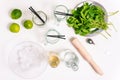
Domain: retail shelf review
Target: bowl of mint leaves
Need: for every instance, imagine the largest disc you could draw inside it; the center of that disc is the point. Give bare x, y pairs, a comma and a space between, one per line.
88, 18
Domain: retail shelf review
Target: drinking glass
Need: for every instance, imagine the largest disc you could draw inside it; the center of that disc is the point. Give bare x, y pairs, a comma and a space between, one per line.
60, 8
53, 59
70, 59
37, 21
52, 40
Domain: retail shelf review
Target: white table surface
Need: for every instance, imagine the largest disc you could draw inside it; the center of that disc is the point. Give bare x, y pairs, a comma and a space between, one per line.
105, 52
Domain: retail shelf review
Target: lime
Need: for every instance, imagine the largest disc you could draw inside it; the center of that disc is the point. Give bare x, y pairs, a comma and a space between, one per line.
28, 24
14, 27
16, 13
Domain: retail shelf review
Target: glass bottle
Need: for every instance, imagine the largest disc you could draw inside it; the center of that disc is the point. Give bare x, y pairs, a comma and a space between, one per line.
70, 59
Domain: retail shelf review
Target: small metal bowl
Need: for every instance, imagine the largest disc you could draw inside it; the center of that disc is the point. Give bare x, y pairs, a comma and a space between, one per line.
96, 30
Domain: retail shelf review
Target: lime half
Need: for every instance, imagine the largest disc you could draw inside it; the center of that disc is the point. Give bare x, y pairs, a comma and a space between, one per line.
16, 13
14, 27
28, 24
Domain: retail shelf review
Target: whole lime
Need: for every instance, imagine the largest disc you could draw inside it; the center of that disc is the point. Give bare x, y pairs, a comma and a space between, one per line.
14, 27
16, 13
28, 24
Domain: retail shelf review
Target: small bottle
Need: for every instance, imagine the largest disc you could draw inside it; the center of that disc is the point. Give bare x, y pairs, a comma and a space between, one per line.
70, 59
90, 41
53, 59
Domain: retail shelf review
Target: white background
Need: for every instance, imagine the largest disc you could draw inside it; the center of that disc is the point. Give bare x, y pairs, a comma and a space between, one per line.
105, 52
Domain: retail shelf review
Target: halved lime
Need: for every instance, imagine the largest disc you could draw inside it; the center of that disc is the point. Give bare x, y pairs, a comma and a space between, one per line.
28, 24
14, 27
16, 13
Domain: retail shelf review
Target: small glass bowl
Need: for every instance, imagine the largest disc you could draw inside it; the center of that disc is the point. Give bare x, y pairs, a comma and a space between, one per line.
60, 8
28, 59
52, 40
37, 21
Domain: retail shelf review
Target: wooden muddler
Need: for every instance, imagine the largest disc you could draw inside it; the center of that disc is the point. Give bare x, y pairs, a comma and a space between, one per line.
85, 55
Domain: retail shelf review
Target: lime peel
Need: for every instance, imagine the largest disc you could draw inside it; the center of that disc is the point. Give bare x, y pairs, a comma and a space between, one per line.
14, 27
16, 13
28, 24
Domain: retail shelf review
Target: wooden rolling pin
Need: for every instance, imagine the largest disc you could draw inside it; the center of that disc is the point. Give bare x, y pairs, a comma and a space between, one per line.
85, 55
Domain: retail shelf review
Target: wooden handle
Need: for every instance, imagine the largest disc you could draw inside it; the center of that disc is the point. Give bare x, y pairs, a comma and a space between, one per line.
85, 55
